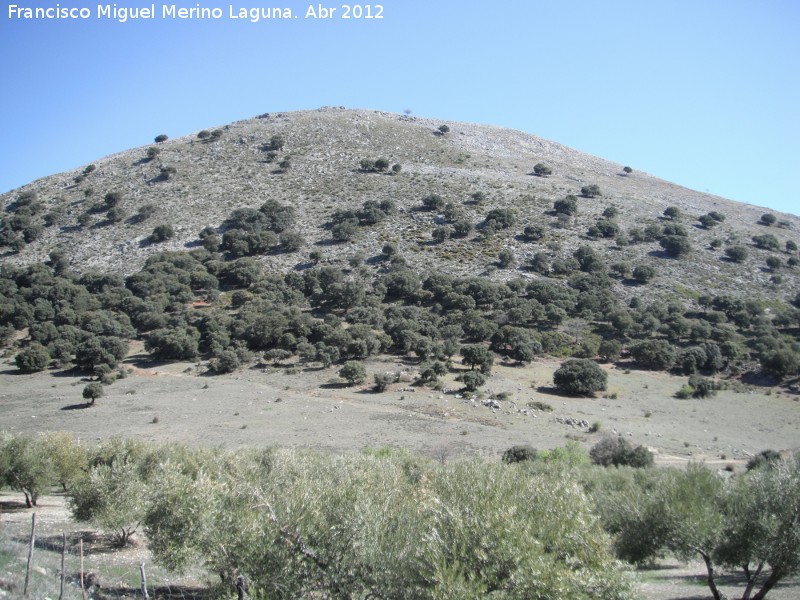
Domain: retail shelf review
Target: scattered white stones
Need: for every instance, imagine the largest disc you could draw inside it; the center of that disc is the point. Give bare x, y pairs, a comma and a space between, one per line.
572, 421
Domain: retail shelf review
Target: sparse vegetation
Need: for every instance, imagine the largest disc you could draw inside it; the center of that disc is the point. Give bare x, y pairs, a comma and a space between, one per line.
161, 233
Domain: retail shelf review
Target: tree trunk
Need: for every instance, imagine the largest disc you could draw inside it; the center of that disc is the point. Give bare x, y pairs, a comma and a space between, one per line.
769, 584
751, 579
28, 500
712, 585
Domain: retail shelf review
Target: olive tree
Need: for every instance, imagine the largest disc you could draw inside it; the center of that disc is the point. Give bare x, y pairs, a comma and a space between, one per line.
26, 465
748, 522
457, 530
111, 496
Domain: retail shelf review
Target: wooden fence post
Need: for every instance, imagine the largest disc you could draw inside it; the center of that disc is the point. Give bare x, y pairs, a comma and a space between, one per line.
63, 556
144, 581
83, 586
30, 555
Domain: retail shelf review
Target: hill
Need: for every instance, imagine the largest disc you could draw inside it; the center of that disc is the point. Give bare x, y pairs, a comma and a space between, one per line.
193, 183
307, 258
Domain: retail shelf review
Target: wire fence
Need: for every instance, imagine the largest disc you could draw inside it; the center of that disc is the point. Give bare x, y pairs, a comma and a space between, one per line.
78, 565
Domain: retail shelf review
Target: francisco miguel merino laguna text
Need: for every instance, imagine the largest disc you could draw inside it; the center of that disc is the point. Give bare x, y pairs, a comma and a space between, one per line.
172, 11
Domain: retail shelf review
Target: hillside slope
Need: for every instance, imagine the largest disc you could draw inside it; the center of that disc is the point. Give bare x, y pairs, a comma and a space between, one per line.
208, 178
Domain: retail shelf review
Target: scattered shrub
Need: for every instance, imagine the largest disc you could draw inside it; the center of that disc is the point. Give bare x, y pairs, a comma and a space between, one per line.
737, 254
353, 372
580, 376
520, 453
590, 191
93, 391
768, 219
161, 233
617, 451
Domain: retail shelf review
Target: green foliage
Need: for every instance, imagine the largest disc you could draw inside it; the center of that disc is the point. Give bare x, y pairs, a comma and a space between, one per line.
590, 191
672, 212
737, 254
93, 391
517, 454
764, 459
384, 380
566, 206
658, 355
676, 246
69, 457
342, 232
433, 202
441, 234
605, 228
610, 350
113, 494
768, 219
27, 465
116, 214
161, 233
472, 380
226, 361
707, 221
747, 522
478, 355
702, 387
542, 170
774, 263
644, 273
611, 212
505, 258
277, 142
617, 451
166, 172
462, 228
161, 138
766, 241
580, 376
461, 528
443, 129
32, 359
180, 343
533, 233
780, 363
353, 372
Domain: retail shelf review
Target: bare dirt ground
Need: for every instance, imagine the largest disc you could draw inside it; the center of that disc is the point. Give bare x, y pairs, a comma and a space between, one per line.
265, 406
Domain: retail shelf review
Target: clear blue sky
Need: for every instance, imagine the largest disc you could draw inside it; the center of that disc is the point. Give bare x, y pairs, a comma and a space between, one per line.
703, 93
